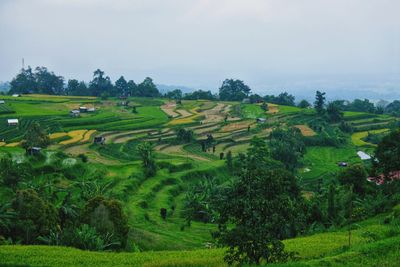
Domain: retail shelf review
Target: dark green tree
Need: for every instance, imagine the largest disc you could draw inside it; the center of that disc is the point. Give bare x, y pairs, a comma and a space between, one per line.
24, 82
261, 208
48, 83
146, 153
334, 113
175, 94
107, 217
132, 88
355, 176
332, 210
387, 154
184, 136
233, 90
12, 173
287, 146
147, 89
304, 104
101, 84
34, 216
35, 136
121, 87
319, 102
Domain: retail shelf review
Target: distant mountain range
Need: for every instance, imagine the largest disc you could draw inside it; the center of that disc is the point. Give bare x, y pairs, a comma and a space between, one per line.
166, 88
4, 86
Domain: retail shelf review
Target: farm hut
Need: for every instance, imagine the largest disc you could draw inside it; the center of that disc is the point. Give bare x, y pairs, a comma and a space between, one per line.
246, 101
33, 151
342, 164
83, 109
12, 122
363, 155
16, 95
99, 140
123, 97
91, 110
261, 120
2, 102
74, 113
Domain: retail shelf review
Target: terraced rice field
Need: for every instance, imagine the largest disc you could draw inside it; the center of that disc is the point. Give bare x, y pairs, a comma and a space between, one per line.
356, 138
305, 130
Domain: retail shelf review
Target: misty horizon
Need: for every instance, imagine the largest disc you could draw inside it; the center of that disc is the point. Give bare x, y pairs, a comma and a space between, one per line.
273, 46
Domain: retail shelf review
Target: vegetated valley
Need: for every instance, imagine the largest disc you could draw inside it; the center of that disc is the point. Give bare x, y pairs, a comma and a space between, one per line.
122, 175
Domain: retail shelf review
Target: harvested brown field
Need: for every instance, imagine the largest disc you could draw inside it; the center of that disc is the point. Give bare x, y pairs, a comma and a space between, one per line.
169, 109
272, 108
305, 130
237, 126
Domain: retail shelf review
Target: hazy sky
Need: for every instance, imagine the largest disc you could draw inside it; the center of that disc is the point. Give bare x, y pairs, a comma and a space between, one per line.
198, 43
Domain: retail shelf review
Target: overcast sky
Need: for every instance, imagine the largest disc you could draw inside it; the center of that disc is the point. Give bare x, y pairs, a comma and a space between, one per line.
198, 43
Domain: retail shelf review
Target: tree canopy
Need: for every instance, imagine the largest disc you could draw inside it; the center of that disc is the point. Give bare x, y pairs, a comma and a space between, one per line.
233, 90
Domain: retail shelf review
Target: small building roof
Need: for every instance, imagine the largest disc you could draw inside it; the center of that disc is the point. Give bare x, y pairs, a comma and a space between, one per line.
363, 155
82, 107
12, 121
75, 111
16, 95
2, 101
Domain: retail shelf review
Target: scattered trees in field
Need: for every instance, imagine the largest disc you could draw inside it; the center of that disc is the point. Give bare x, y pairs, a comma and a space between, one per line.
184, 136
35, 136
287, 146
146, 153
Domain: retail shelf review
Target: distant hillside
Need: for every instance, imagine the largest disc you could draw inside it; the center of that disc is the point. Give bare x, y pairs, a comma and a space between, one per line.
166, 88
4, 86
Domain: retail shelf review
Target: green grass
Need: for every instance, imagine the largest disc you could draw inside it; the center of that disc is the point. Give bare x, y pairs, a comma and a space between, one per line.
325, 249
323, 161
356, 138
252, 111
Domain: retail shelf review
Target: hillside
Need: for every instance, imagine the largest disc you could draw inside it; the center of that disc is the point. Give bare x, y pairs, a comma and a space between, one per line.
373, 243
74, 165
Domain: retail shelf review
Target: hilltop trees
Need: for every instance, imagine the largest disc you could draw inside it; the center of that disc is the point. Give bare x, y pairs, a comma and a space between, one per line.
121, 87
233, 90
199, 94
282, 99
74, 87
41, 81
101, 84
304, 104
147, 89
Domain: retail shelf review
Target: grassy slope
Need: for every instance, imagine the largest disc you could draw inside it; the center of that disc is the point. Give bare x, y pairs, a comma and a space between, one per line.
326, 249
323, 161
